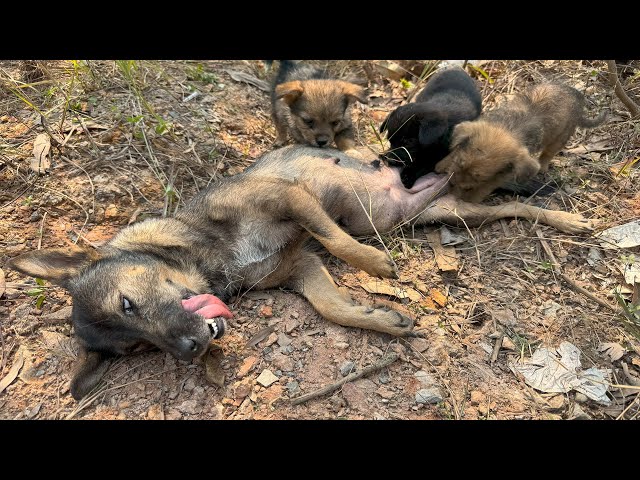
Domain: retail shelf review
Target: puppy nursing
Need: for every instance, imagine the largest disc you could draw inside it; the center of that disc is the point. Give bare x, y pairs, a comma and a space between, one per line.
312, 107
515, 141
419, 132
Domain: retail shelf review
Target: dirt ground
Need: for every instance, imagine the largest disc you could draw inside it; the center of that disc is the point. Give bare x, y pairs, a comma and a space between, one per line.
138, 139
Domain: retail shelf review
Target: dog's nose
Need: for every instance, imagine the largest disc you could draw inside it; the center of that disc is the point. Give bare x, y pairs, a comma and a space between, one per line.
188, 346
322, 141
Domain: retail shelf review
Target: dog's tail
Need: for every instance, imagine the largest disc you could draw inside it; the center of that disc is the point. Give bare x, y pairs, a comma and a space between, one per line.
592, 122
531, 187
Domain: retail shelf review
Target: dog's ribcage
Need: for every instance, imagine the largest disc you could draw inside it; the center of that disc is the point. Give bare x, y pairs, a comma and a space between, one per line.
259, 240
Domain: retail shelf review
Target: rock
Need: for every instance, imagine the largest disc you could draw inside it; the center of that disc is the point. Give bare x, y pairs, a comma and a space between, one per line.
290, 325
21, 312
247, 364
366, 385
61, 315
282, 362
35, 216
477, 398
188, 407
419, 344
293, 387
294, 314
426, 379
508, 344
111, 211
270, 340
386, 393
384, 377
581, 398
283, 340
241, 390
347, 367
504, 317
355, 397
266, 378
341, 345
124, 404
579, 414
155, 412
428, 396
287, 350
266, 311
377, 416
173, 414
190, 384
272, 394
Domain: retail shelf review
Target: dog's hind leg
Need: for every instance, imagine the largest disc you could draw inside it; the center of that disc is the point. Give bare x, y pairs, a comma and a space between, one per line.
303, 208
313, 281
451, 210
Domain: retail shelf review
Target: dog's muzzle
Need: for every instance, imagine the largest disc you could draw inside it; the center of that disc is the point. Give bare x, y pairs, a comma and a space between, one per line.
217, 326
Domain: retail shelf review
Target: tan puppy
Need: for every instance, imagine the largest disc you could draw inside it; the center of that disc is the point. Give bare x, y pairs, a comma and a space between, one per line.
313, 108
515, 141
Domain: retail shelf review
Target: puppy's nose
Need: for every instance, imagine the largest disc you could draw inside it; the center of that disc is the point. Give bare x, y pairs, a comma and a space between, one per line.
322, 141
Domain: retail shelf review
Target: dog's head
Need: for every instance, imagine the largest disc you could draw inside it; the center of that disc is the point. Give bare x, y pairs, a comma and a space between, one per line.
319, 108
483, 157
126, 300
413, 127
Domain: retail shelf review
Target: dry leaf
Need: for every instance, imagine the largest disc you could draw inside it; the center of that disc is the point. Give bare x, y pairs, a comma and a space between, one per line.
386, 289
438, 297
41, 146
250, 79
213, 372
599, 146
3, 284
622, 236
446, 257
261, 335
59, 344
18, 362
614, 350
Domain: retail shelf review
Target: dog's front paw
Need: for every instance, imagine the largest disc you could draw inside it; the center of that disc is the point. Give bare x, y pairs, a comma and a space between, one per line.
379, 264
400, 325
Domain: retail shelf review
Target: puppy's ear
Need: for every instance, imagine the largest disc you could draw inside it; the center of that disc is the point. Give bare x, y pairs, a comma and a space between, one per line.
289, 91
525, 167
354, 92
432, 129
460, 136
88, 372
58, 265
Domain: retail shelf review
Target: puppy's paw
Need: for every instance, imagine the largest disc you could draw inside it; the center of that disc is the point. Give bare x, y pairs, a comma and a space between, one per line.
400, 325
379, 264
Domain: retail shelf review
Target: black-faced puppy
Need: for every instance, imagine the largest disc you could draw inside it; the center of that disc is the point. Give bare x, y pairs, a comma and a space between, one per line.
420, 132
313, 107
514, 141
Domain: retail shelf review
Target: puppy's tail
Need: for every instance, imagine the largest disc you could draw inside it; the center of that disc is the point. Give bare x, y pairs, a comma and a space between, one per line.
592, 122
531, 187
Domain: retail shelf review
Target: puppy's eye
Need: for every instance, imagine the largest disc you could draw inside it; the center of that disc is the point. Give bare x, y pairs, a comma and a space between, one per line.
308, 121
127, 306
335, 123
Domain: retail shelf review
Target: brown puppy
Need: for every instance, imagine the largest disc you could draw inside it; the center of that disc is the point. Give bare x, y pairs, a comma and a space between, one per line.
312, 107
515, 141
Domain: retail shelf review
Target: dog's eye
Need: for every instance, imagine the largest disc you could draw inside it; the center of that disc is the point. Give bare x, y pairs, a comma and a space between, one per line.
308, 121
335, 123
127, 306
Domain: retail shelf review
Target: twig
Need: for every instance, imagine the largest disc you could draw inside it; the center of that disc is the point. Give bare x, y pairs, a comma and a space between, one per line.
384, 362
567, 279
41, 230
620, 93
496, 349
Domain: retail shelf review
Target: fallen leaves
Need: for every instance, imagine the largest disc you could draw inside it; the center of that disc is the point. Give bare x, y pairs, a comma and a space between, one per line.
386, 289
614, 350
41, 146
18, 362
446, 257
213, 372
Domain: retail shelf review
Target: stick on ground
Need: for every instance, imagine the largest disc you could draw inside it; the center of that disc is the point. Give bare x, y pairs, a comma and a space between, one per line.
384, 362
567, 279
620, 93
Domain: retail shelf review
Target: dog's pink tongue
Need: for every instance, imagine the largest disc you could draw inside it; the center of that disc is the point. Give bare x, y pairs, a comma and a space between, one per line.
207, 305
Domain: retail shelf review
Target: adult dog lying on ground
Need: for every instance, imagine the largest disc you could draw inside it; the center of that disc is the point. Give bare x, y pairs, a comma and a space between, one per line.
313, 107
163, 281
420, 132
515, 141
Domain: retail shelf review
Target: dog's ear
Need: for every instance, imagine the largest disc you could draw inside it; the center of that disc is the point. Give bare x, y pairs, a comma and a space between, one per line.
432, 129
88, 372
289, 91
58, 265
354, 92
